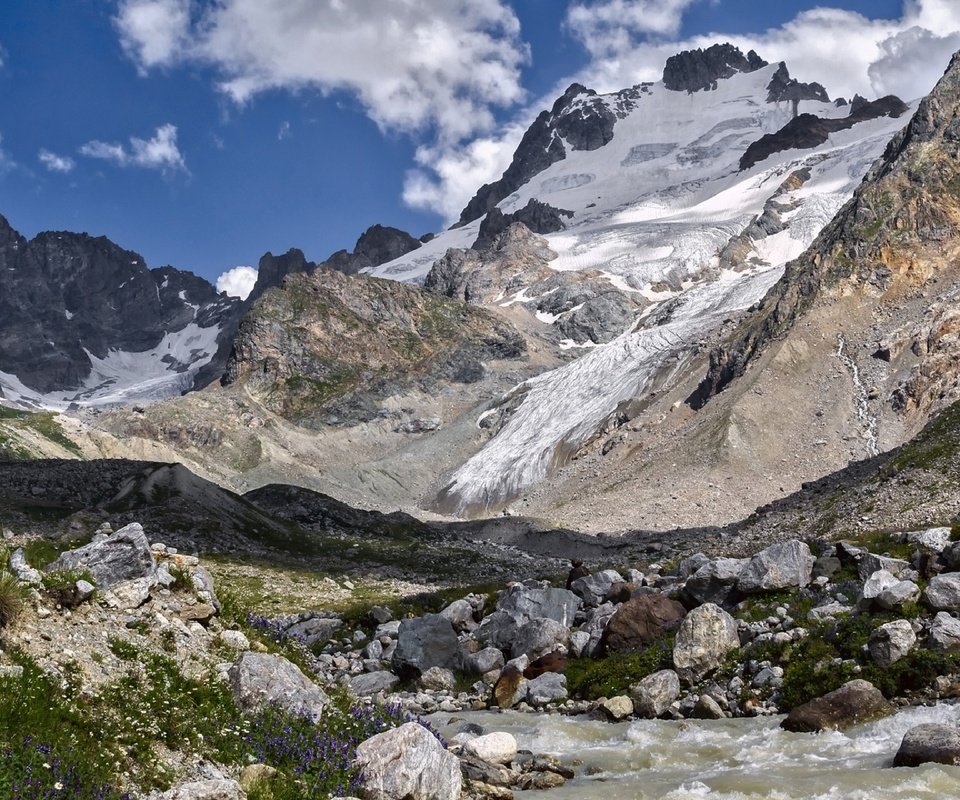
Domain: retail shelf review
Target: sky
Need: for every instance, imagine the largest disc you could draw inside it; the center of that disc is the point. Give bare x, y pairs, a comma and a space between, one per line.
203, 133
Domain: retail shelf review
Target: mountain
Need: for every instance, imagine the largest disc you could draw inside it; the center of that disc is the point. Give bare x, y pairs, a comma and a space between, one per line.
84, 322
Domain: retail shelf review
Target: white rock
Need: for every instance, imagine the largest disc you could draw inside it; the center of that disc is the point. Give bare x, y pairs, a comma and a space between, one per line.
408, 763
494, 748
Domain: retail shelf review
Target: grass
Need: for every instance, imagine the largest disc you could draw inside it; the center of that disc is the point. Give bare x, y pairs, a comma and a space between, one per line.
12, 598
41, 422
591, 679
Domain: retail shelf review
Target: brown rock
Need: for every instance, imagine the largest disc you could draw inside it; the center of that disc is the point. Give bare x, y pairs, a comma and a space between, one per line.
641, 621
201, 612
509, 687
853, 703
621, 592
551, 662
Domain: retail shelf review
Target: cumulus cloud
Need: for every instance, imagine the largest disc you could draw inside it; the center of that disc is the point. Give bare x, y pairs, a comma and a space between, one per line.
56, 163
912, 59
237, 282
438, 65
608, 26
160, 152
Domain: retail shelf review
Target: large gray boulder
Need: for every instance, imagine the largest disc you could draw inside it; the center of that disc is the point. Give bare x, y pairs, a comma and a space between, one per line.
715, 581
425, 642
122, 556
870, 563
943, 592
703, 640
368, 684
460, 614
314, 630
896, 596
852, 704
593, 589
654, 695
260, 680
408, 763
538, 637
523, 603
891, 642
945, 632
551, 687
483, 661
931, 540
929, 743
780, 566
876, 584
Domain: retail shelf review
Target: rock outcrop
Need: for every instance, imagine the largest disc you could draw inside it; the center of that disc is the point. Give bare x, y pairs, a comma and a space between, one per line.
697, 70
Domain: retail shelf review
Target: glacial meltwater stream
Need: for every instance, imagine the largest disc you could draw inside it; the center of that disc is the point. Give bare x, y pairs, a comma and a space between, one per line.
738, 759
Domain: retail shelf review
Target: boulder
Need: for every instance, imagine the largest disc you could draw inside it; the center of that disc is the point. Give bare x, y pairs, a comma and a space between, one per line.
894, 597
551, 687
216, 789
482, 662
707, 708
870, 563
617, 708
641, 621
538, 637
259, 680
438, 679
368, 684
408, 763
122, 556
593, 589
594, 626
943, 592
235, 640
460, 615
891, 642
551, 662
523, 604
510, 688
654, 695
945, 632
715, 581
202, 582
579, 640
425, 642
931, 540
129, 595
499, 630
780, 566
877, 583
314, 630
703, 640
852, 704
929, 743
24, 572
494, 748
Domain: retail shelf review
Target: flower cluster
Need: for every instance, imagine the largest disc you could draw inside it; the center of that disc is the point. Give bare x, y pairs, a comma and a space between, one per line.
34, 771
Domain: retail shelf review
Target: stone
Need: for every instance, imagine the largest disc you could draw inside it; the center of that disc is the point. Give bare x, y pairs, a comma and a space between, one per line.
83, 591
538, 637
870, 563
510, 688
555, 661
438, 679
260, 679
460, 615
314, 630
617, 708
715, 581
551, 687
494, 748
129, 595
653, 696
703, 640
216, 789
943, 592
578, 643
593, 589
408, 763
425, 642
368, 684
945, 632
122, 556
483, 661
894, 597
540, 780
203, 585
380, 615
522, 604
707, 708
235, 640
929, 743
201, 612
640, 622
877, 583
854, 703
891, 642
932, 540
23, 571
780, 566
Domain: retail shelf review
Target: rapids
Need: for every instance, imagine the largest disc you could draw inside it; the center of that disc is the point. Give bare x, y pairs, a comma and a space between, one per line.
736, 759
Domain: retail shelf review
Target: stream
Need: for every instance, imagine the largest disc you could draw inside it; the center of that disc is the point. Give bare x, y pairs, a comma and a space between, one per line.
735, 759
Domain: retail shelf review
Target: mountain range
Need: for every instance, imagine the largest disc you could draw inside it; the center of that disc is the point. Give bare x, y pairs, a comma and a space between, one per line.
680, 302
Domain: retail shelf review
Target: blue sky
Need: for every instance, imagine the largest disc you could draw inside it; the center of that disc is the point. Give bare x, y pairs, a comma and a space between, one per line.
202, 134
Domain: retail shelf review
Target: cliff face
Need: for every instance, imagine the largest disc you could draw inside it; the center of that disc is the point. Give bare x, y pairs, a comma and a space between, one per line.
325, 347
899, 235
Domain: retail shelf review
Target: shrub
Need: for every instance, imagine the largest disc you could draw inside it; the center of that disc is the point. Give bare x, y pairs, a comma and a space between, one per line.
592, 679
12, 597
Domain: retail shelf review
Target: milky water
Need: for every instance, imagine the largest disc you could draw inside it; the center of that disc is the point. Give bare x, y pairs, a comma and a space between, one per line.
740, 759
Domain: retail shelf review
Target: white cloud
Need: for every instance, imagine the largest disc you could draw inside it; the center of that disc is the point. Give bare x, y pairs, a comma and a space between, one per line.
237, 282
284, 131
608, 26
414, 65
160, 152
912, 59
56, 163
